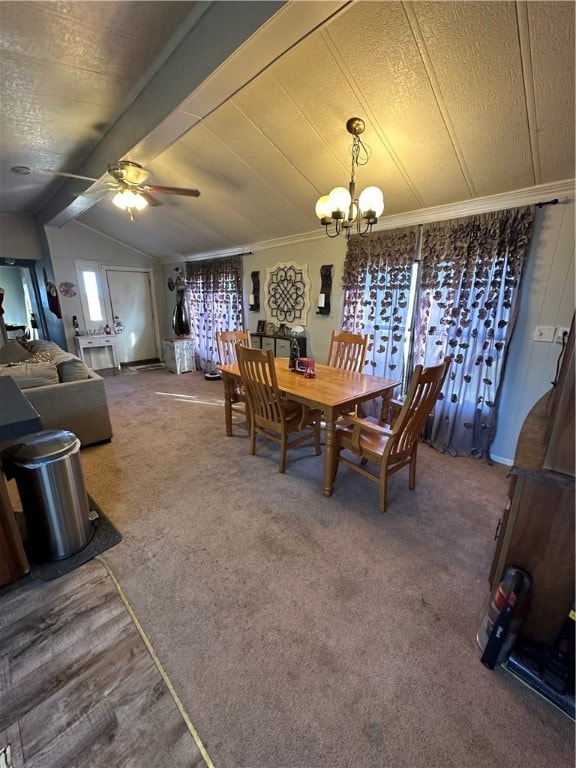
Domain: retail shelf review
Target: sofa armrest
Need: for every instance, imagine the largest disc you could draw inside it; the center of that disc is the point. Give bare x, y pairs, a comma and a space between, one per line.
80, 407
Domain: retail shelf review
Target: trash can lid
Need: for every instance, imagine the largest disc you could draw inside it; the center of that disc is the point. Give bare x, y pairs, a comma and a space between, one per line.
49, 445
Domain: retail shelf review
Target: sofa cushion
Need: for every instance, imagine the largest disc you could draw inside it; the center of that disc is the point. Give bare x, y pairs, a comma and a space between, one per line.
34, 375
72, 370
13, 352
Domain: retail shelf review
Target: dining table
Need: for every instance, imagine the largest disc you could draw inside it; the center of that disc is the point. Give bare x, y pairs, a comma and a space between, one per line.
332, 390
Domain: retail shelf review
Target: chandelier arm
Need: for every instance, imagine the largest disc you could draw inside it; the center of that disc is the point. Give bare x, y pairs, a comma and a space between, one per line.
336, 231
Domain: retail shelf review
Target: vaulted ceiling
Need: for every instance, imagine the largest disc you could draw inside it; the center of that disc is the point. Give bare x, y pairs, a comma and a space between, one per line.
247, 101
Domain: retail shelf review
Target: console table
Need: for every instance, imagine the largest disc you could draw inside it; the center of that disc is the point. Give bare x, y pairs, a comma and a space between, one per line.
93, 342
280, 345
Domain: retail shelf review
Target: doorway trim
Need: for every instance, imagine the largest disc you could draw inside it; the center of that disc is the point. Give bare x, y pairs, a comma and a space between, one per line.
108, 299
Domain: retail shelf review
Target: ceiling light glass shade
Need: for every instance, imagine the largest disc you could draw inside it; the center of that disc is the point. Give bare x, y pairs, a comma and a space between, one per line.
339, 201
371, 199
126, 199
323, 210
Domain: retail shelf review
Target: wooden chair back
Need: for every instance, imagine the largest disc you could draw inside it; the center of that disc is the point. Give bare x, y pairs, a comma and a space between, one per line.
270, 414
425, 387
347, 351
392, 447
226, 345
259, 378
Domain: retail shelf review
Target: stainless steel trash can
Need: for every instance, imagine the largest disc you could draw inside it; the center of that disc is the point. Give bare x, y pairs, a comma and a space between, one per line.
48, 474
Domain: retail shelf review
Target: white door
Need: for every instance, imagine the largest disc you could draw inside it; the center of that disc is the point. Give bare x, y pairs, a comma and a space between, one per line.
132, 302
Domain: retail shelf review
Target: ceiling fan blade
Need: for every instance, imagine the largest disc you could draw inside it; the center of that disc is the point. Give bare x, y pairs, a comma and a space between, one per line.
172, 190
151, 200
67, 175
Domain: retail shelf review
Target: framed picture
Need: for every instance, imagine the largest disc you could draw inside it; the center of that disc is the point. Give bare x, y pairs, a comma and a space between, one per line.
282, 329
261, 326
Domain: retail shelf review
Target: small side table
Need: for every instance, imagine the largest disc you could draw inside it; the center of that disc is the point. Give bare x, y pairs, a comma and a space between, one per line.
92, 342
179, 354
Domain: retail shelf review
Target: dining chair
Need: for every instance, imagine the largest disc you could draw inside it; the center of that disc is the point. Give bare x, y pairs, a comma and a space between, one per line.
271, 414
347, 351
382, 449
226, 346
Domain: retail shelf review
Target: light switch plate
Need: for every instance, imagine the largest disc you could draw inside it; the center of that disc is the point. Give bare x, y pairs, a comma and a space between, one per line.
544, 333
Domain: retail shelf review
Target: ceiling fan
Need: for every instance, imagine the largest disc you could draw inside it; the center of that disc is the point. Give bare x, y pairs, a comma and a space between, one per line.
128, 183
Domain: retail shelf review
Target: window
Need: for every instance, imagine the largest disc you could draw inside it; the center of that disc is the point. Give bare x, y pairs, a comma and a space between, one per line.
90, 292
460, 302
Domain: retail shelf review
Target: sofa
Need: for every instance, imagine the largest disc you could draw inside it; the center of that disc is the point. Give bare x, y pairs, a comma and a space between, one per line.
62, 389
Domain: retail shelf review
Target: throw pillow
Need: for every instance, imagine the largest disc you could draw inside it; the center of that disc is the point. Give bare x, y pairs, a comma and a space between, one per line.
44, 356
13, 352
72, 370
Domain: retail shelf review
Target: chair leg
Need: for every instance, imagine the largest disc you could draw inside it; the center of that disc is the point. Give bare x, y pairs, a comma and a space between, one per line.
412, 470
283, 450
383, 485
252, 440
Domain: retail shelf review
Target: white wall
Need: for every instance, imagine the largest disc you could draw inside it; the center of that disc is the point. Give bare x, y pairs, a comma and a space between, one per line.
19, 237
315, 253
75, 242
547, 298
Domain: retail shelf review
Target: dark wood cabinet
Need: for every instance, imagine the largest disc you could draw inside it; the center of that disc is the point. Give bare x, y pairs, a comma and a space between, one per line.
537, 530
280, 345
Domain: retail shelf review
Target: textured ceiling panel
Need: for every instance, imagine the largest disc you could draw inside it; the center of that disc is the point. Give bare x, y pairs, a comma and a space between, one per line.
480, 81
460, 100
398, 95
67, 70
551, 28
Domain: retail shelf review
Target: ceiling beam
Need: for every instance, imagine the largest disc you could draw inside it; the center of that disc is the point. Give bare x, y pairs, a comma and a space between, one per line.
228, 44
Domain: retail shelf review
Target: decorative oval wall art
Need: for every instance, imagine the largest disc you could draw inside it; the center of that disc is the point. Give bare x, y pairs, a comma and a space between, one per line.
67, 289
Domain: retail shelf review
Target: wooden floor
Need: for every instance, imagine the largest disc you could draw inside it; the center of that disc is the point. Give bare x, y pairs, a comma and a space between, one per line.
78, 686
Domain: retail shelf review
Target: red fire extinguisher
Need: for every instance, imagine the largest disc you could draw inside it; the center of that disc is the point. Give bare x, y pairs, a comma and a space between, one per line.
506, 613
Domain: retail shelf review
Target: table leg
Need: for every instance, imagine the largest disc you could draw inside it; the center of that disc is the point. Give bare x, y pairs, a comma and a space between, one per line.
228, 394
329, 447
115, 356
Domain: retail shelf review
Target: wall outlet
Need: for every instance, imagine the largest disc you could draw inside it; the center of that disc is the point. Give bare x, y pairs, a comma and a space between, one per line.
560, 335
544, 333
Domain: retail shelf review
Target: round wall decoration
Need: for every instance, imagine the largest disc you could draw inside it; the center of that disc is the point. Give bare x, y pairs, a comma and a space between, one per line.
67, 289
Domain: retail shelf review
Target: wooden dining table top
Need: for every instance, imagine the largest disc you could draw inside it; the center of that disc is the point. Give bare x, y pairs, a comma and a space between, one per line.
331, 388
332, 391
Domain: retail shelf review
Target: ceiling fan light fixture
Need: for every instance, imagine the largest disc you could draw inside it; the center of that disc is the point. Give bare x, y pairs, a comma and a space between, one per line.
128, 200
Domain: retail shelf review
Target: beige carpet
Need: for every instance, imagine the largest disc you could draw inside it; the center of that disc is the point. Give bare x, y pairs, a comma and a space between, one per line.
301, 631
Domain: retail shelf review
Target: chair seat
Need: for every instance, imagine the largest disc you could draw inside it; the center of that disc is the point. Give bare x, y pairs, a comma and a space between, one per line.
391, 447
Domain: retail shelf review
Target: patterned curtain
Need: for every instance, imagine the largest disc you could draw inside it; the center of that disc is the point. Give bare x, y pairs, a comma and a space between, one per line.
467, 304
377, 281
214, 302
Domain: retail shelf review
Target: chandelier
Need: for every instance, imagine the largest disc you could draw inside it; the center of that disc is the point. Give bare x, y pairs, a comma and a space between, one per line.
341, 208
